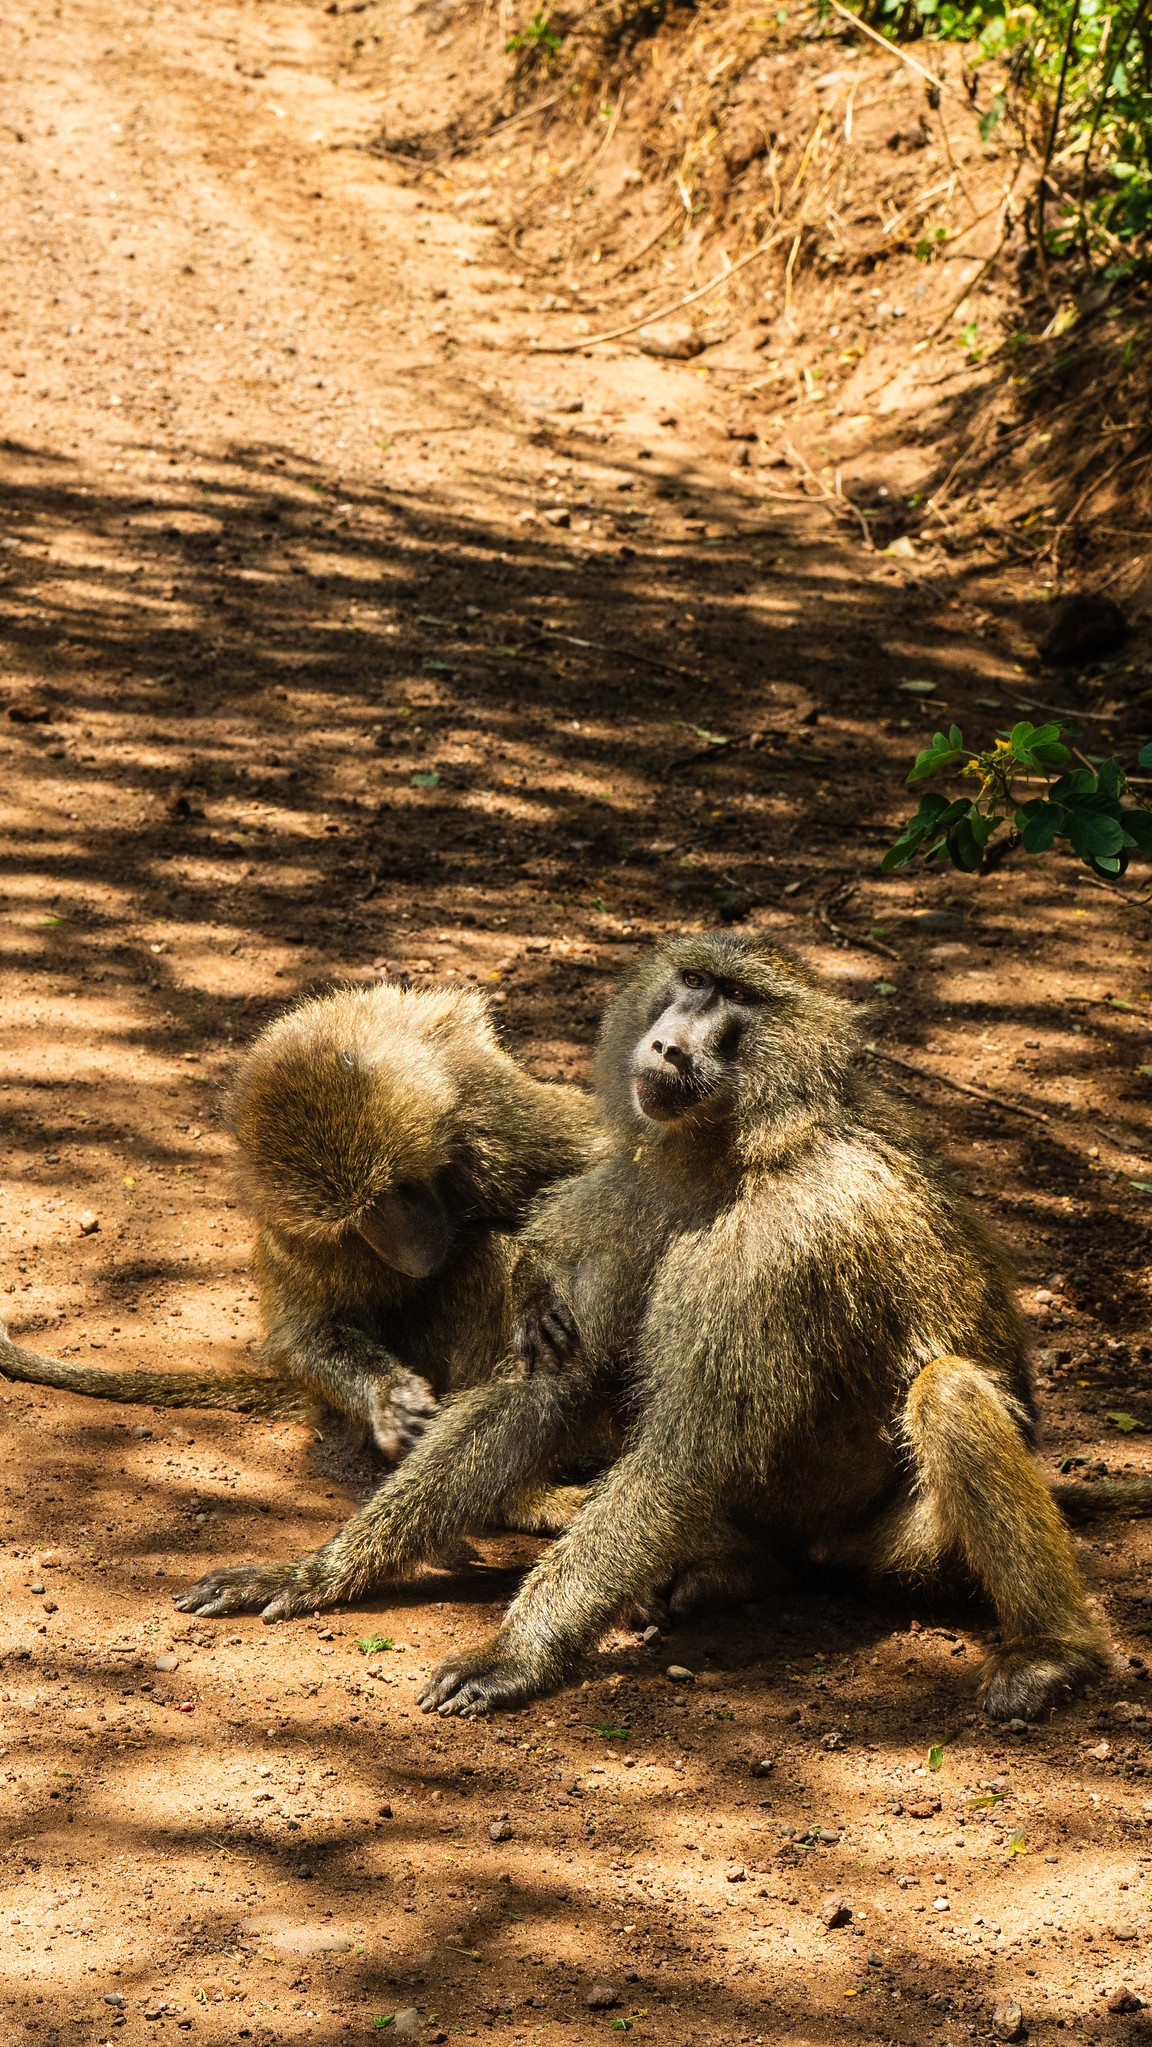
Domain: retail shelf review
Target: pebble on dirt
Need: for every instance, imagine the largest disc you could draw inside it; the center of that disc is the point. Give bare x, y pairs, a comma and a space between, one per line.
1081, 626
167, 1662
833, 1910
500, 1830
407, 2021
601, 1997
1124, 2000
677, 339
87, 1223
678, 1675
1008, 2021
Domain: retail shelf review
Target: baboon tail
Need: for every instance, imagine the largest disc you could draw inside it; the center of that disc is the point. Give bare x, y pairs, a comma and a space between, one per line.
236, 1392
1130, 1496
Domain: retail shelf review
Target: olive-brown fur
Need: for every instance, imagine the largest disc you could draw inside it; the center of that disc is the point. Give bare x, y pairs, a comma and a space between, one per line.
811, 1341
337, 1102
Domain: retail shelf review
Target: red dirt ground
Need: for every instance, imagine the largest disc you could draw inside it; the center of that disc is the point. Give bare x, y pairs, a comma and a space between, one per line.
342, 636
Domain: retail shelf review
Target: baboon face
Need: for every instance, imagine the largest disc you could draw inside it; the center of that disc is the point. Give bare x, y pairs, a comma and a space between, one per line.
408, 1227
691, 1053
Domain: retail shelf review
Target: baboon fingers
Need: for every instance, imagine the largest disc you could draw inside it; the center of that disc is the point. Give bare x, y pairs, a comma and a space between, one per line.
545, 1334
242, 1588
399, 1413
471, 1686
1023, 1679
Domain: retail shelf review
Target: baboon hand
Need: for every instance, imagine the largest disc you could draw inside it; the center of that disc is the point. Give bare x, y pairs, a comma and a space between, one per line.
244, 1588
546, 1333
1021, 1680
475, 1684
401, 1410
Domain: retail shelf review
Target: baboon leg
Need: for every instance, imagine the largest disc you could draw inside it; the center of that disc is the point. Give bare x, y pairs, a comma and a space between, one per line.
981, 1497
489, 1445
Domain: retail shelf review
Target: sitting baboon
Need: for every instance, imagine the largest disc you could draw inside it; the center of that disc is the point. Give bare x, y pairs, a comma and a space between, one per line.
387, 1145
809, 1333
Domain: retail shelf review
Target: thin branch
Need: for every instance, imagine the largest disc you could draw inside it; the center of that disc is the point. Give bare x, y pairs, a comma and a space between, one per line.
893, 50
962, 1086
1041, 252
647, 319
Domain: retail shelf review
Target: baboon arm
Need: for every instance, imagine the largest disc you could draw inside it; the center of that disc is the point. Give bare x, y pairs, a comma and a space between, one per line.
482, 1450
361, 1378
639, 1526
235, 1392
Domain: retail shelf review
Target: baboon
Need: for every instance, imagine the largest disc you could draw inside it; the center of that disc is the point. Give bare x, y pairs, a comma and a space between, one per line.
809, 1335
387, 1146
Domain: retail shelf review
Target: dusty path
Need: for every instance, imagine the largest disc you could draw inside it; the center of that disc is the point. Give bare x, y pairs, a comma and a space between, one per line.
292, 539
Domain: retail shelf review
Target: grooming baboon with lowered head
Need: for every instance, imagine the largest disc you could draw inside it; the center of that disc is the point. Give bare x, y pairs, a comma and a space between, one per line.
387, 1144
812, 1334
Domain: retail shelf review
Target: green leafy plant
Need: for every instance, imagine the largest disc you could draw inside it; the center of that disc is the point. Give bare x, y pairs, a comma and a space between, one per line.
613, 1733
538, 37
371, 1645
1083, 806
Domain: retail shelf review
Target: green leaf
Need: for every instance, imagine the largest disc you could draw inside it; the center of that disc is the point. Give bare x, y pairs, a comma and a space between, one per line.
371, 1645
1038, 824
917, 689
936, 1752
1081, 782
51, 920
438, 667
990, 119
613, 1733
1142, 1186
967, 839
940, 754
1144, 757
621, 2026
1109, 777
1016, 1842
1126, 1423
1138, 825
381, 2022
989, 1798
1094, 835
429, 781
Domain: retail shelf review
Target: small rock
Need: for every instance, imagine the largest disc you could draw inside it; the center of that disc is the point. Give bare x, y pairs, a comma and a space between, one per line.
29, 711
741, 428
1008, 2021
37, 1587
833, 1910
558, 516
832, 1741
677, 339
1122, 1931
736, 1874
764, 1767
1102, 1751
500, 1830
167, 1661
115, 1997
87, 1223
678, 1675
924, 1809
384, 1812
1123, 2000
50, 1606
407, 2021
155, 2011
941, 1905
1080, 627
601, 1997
652, 1633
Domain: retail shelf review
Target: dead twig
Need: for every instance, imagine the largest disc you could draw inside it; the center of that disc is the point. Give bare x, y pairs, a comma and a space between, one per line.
893, 50
647, 319
835, 500
854, 938
621, 653
962, 1087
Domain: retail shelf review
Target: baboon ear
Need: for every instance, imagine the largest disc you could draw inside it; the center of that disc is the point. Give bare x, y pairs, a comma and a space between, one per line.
409, 1229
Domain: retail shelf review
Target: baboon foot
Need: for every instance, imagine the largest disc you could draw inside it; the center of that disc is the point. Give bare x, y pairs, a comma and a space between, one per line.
244, 1588
399, 1413
478, 1683
1021, 1680
545, 1334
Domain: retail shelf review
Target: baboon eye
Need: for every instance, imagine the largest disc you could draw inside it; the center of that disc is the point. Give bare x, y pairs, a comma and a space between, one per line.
692, 979
745, 995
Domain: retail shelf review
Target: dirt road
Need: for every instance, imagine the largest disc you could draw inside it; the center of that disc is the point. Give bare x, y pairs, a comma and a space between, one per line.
341, 635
